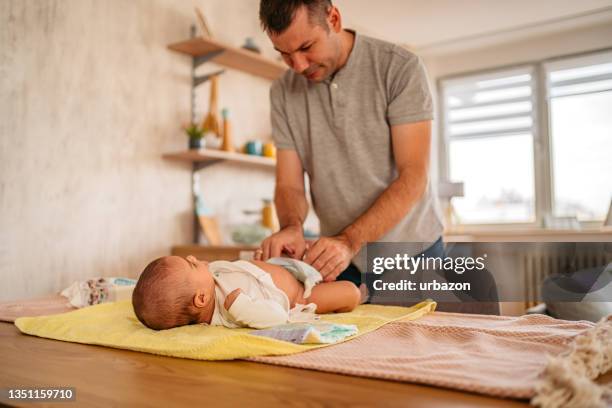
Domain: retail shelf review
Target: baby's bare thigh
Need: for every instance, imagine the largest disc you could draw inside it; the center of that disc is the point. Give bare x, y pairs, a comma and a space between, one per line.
285, 281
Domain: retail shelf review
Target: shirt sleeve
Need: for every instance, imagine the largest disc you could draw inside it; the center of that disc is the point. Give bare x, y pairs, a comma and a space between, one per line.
258, 314
409, 95
281, 132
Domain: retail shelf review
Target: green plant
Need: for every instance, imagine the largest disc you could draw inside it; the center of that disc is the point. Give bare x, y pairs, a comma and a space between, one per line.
194, 131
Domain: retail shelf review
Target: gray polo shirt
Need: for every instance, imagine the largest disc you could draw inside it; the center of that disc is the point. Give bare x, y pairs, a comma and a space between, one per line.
341, 130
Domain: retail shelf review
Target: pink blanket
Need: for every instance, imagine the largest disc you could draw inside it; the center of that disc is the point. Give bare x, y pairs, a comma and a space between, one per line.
492, 355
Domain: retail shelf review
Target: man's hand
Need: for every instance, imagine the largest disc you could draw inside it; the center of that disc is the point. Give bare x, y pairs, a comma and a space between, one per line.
289, 240
330, 256
231, 298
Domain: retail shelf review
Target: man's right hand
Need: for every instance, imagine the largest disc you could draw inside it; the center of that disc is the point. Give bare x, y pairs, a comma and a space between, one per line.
289, 240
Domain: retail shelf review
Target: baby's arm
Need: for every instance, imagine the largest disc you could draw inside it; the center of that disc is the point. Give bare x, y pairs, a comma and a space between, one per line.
338, 296
258, 314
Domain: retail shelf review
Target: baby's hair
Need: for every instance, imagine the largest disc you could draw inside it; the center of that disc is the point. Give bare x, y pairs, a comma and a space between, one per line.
158, 305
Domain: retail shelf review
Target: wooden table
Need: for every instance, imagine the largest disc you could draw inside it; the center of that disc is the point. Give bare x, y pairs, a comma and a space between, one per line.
109, 377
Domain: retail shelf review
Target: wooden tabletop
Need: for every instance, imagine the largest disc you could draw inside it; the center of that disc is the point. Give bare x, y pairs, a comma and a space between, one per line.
110, 377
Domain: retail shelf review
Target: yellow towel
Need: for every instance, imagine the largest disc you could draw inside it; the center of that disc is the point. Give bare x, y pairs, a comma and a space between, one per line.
115, 325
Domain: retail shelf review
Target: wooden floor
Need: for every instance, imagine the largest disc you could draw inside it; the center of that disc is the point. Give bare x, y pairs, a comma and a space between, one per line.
109, 377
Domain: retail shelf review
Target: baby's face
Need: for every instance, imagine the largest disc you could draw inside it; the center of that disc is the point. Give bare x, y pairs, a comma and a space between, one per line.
197, 273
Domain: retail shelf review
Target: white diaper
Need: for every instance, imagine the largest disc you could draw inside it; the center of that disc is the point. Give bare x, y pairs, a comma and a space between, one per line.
303, 272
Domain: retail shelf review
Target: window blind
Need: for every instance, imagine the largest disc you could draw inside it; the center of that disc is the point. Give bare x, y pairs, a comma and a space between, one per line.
580, 75
493, 104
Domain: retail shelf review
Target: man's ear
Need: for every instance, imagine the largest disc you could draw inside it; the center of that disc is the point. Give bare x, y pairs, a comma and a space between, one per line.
335, 19
199, 299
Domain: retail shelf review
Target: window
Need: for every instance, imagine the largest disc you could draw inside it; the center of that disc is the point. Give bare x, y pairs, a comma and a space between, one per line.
580, 104
492, 131
488, 128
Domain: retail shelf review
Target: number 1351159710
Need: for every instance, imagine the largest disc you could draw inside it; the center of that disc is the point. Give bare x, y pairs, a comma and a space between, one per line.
39, 394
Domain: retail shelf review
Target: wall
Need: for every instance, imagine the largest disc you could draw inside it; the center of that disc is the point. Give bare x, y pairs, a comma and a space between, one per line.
433, 23
534, 48
91, 99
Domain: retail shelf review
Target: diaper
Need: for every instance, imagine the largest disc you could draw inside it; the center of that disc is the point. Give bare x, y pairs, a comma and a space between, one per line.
303, 272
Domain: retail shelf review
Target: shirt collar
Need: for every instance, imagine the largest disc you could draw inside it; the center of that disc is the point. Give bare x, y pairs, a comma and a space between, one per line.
350, 60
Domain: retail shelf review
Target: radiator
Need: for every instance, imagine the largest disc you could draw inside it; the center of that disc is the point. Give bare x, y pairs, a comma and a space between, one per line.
537, 266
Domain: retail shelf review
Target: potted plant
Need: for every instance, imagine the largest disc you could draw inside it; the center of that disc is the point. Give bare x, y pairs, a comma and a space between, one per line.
196, 136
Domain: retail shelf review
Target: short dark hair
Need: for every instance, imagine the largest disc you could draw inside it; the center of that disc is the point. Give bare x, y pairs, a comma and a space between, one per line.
276, 15
155, 306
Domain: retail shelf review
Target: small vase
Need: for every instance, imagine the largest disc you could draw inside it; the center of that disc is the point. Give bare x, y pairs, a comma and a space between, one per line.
196, 143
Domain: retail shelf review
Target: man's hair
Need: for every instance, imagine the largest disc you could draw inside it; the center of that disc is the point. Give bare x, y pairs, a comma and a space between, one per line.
156, 304
276, 15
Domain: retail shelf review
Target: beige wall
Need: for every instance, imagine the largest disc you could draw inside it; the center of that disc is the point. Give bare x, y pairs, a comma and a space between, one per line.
533, 48
90, 99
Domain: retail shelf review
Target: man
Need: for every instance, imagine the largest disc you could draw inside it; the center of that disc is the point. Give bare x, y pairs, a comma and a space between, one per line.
354, 113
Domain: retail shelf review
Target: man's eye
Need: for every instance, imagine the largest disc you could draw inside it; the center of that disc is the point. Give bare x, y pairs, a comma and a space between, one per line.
306, 48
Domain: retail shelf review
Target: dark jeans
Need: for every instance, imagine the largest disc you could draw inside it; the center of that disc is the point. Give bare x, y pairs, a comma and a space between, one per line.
353, 274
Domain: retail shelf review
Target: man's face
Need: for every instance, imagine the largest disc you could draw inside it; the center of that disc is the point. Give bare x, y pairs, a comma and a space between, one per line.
308, 48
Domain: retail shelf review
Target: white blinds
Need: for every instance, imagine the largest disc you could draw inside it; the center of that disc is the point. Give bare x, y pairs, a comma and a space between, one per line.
494, 104
580, 75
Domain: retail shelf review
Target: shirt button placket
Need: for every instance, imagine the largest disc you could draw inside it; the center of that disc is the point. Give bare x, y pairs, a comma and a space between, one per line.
337, 105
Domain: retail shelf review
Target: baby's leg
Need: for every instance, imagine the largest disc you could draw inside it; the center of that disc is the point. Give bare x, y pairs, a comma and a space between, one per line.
338, 296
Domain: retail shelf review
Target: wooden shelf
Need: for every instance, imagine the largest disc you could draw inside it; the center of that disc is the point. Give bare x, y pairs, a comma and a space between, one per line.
209, 155
232, 57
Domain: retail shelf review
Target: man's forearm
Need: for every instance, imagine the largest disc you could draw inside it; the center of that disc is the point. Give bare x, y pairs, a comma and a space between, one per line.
388, 209
291, 206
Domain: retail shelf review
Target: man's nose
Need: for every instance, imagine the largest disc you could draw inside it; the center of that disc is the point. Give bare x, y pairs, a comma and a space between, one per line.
299, 63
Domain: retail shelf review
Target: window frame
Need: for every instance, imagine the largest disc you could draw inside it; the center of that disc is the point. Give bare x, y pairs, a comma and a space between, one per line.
542, 152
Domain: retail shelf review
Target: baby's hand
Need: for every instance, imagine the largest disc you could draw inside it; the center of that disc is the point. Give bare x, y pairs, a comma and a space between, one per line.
231, 298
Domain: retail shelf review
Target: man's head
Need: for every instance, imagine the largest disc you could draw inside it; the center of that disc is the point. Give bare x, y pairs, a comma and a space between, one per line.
172, 291
306, 33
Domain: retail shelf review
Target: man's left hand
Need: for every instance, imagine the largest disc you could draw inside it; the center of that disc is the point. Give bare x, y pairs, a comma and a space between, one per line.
330, 256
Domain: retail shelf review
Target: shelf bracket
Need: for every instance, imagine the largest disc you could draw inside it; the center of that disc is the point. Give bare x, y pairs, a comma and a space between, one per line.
197, 61
202, 165
197, 80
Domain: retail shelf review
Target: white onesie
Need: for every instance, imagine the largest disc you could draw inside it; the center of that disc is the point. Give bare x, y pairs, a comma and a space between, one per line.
260, 305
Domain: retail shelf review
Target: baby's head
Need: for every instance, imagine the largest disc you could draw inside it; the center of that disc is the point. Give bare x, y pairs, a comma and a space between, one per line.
173, 291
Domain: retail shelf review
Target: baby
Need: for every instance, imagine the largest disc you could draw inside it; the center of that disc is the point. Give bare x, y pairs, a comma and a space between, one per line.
173, 291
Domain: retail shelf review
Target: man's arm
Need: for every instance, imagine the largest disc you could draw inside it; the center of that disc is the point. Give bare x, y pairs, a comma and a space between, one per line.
291, 207
289, 194
411, 150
